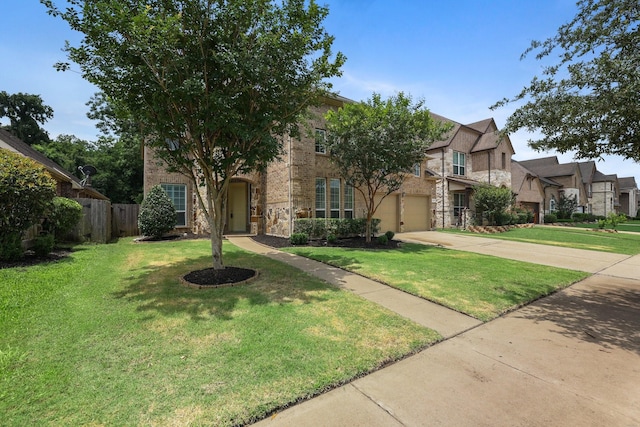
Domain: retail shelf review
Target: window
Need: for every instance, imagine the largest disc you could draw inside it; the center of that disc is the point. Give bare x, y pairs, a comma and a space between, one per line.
178, 195
504, 161
321, 139
416, 170
552, 204
458, 163
334, 197
348, 201
321, 198
458, 204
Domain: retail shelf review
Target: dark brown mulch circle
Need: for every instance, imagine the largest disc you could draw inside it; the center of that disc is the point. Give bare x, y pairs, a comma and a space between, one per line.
213, 277
353, 242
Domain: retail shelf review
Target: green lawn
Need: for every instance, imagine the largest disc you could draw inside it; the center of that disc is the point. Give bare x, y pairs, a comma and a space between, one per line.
632, 226
571, 237
481, 286
109, 337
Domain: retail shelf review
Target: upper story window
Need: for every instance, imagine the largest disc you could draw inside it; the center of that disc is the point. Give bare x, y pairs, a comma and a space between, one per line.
416, 170
504, 161
459, 167
321, 139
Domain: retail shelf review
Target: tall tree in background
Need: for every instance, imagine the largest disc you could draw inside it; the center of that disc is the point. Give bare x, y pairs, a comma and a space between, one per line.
588, 100
213, 83
375, 144
26, 112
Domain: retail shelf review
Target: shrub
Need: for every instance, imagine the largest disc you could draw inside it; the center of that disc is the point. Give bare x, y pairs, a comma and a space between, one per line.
43, 244
299, 239
383, 240
492, 203
320, 228
157, 214
550, 218
65, 215
614, 219
10, 246
584, 217
332, 238
26, 195
390, 234
566, 206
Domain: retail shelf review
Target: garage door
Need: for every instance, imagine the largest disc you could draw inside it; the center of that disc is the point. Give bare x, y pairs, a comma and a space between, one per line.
387, 212
417, 212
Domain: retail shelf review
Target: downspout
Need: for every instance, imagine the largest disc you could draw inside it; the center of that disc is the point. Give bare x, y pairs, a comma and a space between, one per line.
291, 213
443, 180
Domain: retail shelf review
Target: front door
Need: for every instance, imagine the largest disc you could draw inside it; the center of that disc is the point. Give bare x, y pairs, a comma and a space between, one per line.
238, 207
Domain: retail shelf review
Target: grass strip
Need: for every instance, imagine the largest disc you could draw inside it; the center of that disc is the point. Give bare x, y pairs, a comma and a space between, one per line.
479, 285
569, 237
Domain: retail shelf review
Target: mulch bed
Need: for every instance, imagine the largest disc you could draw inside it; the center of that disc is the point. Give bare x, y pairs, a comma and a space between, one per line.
210, 277
354, 243
29, 259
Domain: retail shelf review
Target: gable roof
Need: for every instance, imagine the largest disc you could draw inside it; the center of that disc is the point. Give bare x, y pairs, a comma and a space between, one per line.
627, 183
488, 137
482, 125
543, 179
587, 169
600, 177
57, 172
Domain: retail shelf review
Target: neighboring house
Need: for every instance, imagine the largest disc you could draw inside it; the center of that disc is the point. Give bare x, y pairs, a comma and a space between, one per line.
471, 155
561, 179
628, 196
532, 192
67, 185
605, 194
304, 184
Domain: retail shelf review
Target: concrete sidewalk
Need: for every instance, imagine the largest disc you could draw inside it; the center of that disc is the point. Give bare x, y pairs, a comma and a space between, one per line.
569, 359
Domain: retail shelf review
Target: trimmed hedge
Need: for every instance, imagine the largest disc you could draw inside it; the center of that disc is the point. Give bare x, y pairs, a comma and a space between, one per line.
320, 228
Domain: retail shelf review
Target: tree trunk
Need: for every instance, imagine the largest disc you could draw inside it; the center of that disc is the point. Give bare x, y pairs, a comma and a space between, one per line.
215, 201
368, 228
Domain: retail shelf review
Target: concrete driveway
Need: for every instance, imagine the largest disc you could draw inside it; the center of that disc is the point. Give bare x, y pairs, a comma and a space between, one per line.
571, 359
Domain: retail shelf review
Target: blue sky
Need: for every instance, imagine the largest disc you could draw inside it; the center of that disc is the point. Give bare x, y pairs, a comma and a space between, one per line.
459, 56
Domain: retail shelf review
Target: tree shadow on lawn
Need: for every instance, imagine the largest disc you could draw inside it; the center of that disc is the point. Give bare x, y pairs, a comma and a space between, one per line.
607, 315
157, 288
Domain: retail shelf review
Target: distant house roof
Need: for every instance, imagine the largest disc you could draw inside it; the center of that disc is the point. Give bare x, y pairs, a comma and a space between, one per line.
543, 179
600, 177
488, 139
627, 183
587, 169
57, 172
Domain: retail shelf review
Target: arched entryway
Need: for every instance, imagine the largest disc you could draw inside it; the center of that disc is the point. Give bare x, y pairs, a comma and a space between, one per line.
238, 207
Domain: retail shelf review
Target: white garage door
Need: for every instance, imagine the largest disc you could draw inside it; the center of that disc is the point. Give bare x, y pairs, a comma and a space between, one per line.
417, 212
387, 212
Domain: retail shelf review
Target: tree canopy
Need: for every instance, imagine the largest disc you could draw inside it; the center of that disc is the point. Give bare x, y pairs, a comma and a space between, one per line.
587, 101
375, 143
212, 83
26, 112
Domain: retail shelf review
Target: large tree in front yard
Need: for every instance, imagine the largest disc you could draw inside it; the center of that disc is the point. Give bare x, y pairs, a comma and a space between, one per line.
374, 144
213, 83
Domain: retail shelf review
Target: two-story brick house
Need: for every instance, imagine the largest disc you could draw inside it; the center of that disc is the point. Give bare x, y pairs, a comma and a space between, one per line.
304, 184
471, 155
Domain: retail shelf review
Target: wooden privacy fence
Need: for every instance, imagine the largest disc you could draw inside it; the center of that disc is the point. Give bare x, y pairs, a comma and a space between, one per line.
101, 221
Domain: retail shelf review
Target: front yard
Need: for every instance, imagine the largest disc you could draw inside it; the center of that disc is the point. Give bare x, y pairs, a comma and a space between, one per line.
481, 286
109, 337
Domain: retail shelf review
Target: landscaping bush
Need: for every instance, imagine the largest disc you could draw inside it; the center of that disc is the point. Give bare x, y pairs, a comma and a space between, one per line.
390, 234
299, 238
583, 217
550, 218
566, 206
10, 246
26, 196
492, 203
320, 228
157, 214
614, 219
332, 239
65, 215
383, 240
43, 244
